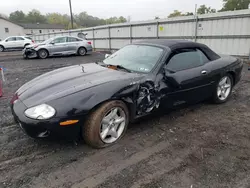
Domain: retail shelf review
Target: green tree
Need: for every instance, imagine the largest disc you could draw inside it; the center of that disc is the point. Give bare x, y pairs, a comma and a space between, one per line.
85, 20
203, 9
82, 19
122, 19
35, 16
57, 18
235, 5
114, 19
75, 26
188, 14
17, 16
176, 13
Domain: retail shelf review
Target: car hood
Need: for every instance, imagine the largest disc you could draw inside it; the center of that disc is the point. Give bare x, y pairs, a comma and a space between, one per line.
68, 80
35, 45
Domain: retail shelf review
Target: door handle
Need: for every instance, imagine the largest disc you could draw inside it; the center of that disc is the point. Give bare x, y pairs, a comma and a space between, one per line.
204, 72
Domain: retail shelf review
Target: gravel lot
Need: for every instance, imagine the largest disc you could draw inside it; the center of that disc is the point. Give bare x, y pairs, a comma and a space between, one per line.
204, 145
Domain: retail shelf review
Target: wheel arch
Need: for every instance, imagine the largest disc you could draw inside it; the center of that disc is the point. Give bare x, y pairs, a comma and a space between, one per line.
233, 74
130, 106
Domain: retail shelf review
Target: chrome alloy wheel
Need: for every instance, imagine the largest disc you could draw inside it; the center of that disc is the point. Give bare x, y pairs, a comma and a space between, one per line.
82, 51
43, 54
224, 88
112, 125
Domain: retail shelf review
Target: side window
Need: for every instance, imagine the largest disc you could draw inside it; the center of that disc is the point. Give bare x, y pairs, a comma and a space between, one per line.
72, 39
186, 59
6, 30
28, 38
19, 38
60, 40
11, 39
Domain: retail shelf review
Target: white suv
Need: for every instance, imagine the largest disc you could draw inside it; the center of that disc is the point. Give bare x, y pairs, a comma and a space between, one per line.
15, 42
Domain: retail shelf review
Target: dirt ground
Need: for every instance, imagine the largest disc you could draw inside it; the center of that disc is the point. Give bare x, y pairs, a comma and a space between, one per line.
204, 145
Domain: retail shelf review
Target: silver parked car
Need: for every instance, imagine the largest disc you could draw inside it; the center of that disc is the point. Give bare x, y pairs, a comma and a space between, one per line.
64, 45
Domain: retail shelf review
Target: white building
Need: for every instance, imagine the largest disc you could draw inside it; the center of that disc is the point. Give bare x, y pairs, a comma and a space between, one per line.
8, 28
32, 29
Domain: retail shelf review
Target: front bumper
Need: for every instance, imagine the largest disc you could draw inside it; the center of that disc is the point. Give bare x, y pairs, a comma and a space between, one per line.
44, 128
29, 53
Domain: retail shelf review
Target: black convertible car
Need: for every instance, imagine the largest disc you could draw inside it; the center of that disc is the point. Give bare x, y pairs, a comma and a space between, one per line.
98, 100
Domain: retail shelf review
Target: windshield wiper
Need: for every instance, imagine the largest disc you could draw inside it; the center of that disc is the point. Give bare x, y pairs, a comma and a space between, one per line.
122, 67
110, 65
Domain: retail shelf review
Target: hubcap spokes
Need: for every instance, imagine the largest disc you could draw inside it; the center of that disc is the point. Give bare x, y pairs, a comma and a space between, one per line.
82, 51
224, 88
112, 125
43, 54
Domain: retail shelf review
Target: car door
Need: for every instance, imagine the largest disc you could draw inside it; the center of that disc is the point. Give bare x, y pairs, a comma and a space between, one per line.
187, 76
10, 42
73, 44
58, 46
20, 42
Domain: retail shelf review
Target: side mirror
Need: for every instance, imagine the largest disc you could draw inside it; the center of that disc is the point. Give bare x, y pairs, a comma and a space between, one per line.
52, 42
107, 56
167, 72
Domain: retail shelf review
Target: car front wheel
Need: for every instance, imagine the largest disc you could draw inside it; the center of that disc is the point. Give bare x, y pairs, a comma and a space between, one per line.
223, 89
106, 125
43, 54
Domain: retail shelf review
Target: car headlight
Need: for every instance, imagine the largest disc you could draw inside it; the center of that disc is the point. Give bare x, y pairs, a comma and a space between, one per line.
42, 111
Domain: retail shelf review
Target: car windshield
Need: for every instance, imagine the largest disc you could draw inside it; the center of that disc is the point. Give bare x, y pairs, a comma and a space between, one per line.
28, 38
138, 58
47, 41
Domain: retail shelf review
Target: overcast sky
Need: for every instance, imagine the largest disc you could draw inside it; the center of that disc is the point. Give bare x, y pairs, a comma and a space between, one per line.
136, 9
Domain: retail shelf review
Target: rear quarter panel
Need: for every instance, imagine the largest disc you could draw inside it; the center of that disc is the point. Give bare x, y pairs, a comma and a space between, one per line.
224, 65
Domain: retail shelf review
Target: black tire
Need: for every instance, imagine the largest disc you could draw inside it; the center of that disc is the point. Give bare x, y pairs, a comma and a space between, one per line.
92, 126
25, 56
82, 51
43, 54
216, 98
1, 48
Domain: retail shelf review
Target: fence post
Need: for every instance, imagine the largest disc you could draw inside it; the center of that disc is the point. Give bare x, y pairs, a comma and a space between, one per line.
196, 28
94, 38
196, 24
109, 38
157, 30
130, 33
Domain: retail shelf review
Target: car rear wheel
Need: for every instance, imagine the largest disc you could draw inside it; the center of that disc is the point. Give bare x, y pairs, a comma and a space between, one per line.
1, 48
82, 51
223, 89
43, 54
106, 125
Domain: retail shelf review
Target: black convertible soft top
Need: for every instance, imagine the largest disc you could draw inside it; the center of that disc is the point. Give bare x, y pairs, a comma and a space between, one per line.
177, 44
